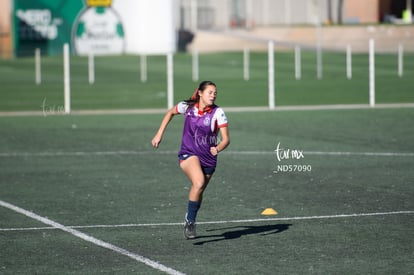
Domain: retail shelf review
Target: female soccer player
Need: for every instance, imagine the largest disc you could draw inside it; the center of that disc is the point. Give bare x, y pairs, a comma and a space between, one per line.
203, 120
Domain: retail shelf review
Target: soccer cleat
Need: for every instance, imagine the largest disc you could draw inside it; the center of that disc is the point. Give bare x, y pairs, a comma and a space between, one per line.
189, 230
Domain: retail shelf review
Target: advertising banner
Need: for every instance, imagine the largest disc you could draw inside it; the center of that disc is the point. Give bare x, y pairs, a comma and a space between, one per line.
101, 27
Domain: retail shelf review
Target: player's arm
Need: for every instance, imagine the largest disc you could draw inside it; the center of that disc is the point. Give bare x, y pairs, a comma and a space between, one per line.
164, 123
225, 141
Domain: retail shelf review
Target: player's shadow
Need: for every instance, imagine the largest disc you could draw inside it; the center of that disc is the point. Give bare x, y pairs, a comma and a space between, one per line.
236, 232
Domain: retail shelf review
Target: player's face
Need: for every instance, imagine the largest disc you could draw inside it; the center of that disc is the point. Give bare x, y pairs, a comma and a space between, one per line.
208, 96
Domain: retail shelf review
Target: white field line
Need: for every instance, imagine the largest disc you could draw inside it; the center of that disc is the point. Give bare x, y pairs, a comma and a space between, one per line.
111, 153
338, 216
92, 153
327, 153
227, 109
91, 239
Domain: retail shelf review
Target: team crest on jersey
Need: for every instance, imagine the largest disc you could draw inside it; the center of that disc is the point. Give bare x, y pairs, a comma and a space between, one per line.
206, 121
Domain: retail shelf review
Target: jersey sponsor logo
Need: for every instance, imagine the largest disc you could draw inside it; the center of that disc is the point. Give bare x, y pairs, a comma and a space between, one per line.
206, 121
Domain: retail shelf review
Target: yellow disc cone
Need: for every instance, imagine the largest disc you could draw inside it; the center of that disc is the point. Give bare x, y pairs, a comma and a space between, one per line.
269, 211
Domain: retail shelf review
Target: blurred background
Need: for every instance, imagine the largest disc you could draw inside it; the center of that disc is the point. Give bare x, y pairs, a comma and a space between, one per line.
120, 52
161, 26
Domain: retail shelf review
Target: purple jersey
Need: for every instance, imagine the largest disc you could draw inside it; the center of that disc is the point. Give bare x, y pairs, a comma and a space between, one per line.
200, 132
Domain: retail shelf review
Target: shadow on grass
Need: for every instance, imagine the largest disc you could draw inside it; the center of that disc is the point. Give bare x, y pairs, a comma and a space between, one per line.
236, 232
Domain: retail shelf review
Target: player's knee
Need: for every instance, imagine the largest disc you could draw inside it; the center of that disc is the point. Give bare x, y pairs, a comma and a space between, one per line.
199, 184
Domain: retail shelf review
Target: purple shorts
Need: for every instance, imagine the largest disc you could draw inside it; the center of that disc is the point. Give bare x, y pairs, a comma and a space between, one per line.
206, 170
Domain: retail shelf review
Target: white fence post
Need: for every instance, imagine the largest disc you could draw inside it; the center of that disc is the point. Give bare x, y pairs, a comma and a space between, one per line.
195, 64
349, 62
66, 77
91, 68
38, 69
400, 60
298, 63
170, 80
246, 64
271, 74
372, 72
319, 64
143, 61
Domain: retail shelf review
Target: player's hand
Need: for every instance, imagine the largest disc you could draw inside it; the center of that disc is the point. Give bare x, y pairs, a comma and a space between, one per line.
156, 141
214, 151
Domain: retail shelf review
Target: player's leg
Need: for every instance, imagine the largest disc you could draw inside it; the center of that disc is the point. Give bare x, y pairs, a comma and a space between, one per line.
192, 168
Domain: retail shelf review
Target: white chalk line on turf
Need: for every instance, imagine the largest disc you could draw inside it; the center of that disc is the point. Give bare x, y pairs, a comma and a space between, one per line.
337, 216
114, 153
228, 109
91, 239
